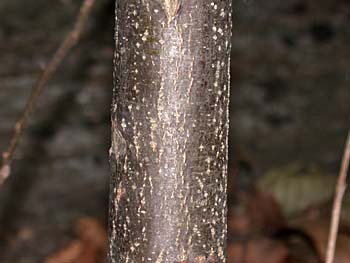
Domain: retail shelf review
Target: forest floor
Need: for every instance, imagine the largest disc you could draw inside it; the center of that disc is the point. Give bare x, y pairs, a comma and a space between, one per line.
289, 118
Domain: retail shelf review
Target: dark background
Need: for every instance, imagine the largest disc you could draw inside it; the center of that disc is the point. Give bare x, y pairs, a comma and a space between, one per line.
290, 102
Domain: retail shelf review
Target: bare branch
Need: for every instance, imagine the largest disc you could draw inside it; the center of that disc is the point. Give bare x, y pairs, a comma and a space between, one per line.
339, 193
67, 44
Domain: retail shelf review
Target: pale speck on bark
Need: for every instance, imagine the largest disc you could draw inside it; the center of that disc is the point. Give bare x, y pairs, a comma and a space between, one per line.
170, 131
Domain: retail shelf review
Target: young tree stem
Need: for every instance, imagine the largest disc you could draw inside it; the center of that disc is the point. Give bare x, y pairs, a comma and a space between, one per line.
170, 131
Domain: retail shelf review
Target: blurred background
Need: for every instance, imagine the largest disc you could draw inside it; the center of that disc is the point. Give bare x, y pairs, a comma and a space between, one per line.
290, 109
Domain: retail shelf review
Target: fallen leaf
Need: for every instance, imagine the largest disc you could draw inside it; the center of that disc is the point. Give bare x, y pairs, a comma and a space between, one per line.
92, 231
297, 187
89, 247
260, 250
318, 230
257, 212
69, 254
265, 212
235, 253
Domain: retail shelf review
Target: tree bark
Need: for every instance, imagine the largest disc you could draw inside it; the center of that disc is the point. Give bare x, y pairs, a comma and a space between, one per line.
170, 131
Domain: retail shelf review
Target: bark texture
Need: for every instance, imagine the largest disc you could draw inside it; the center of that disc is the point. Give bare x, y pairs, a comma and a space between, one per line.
170, 131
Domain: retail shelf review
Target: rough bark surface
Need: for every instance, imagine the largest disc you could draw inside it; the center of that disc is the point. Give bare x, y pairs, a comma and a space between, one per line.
170, 131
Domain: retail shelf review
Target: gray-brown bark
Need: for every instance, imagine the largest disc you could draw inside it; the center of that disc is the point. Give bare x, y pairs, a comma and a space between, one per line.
169, 131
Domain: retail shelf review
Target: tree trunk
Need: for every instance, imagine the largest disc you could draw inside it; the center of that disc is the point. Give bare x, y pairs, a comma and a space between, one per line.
170, 131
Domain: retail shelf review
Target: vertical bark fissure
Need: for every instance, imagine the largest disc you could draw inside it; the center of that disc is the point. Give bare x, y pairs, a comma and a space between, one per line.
171, 8
169, 131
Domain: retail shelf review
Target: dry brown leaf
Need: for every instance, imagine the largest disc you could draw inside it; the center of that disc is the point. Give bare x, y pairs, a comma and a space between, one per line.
257, 213
318, 230
265, 212
260, 250
92, 231
94, 238
239, 224
90, 247
235, 253
69, 254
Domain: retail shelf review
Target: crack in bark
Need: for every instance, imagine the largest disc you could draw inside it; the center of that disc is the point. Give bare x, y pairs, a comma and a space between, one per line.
170, 8
118, 142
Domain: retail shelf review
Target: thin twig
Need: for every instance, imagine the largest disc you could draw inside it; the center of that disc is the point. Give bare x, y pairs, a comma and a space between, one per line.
339, 193
67, 44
